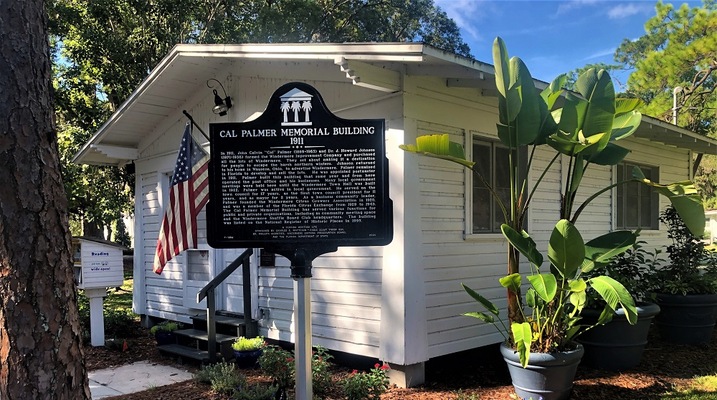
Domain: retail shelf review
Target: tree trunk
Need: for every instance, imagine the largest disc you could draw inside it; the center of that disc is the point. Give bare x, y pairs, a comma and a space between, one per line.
40, 343
514, 314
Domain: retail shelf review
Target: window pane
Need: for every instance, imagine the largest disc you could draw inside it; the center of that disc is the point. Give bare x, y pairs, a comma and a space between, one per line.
481, 210
631, 205
198, 265
481, 194
498, 219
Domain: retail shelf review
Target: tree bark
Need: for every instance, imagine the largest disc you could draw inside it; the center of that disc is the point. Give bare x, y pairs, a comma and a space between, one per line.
40, 342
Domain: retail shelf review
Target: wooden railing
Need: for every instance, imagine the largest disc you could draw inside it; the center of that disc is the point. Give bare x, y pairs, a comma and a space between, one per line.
208, 293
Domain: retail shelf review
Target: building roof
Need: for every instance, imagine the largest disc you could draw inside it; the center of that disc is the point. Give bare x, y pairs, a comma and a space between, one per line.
173, 84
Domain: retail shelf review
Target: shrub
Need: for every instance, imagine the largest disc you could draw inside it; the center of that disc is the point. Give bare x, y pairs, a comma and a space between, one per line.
222, 376
278, 364
244, 344
371, 385
320, 365
255, 392
164, 326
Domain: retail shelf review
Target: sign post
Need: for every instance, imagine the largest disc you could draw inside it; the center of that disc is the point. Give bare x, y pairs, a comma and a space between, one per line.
300, 182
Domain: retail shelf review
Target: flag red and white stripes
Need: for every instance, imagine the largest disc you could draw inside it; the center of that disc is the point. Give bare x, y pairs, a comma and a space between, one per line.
188, 194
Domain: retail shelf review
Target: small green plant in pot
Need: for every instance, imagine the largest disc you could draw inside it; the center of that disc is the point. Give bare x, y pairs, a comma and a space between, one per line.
685, 288
247, 351
164, 332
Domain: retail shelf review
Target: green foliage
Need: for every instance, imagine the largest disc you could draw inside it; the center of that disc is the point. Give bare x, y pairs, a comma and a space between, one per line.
362, 385
691, 269
255, 392
223, 377
245, 344
320, 365
278, 364
678, 50
632, 269
164, 326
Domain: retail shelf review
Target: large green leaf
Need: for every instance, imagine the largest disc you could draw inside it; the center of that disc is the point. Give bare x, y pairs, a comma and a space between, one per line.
509, 97
439, 146
524, 243
611, 155
566, 249
626, 105
482, 300
511, 282
481, 316
597, 88
625, 125
528, 121
614, 294
545, 285
603, 248
684, 197
523, 337
571, 115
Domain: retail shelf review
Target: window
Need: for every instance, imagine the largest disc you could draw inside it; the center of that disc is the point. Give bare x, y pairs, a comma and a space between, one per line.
637, 204
491, 159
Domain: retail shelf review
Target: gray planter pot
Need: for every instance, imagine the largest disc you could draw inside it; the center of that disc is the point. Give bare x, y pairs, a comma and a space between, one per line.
617, 345
686, 319
548, 376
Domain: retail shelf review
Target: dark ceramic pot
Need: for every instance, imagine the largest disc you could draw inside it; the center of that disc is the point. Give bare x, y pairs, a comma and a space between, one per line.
617, 345
247, 359
548, 376
686, 319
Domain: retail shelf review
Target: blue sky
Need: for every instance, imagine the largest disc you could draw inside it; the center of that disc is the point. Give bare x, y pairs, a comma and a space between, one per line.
552, 37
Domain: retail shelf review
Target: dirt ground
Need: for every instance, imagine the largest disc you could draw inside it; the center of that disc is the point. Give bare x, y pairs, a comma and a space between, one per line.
477, 374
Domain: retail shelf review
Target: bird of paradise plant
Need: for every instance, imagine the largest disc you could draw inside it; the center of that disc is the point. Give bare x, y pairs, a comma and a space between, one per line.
584, 131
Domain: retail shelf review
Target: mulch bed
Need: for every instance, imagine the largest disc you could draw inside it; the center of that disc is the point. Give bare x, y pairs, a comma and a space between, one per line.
480, 373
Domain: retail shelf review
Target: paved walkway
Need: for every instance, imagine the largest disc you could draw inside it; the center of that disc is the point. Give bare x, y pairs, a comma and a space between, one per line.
132, 378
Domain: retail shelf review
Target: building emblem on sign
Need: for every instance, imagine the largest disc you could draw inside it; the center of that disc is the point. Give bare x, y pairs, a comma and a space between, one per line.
296, 104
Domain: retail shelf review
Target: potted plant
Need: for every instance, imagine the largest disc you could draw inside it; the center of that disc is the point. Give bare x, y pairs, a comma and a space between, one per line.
164, 332
247, 351
686, 288
583, 132
618, 345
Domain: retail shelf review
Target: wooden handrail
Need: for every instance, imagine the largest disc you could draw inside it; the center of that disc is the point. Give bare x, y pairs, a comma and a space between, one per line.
208, 293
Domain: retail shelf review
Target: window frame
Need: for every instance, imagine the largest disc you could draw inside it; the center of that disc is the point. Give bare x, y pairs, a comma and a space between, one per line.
620, 201
494, 233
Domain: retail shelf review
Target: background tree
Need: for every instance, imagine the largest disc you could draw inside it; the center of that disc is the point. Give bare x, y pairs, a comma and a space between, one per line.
679, 50
40, 353
104, 48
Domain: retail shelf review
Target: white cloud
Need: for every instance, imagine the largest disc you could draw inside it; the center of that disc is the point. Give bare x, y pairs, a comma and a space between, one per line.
628, 10
568, 6
600, 53
465, 13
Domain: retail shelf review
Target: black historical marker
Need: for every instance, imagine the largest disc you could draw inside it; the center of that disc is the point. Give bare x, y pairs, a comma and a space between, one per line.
297, 176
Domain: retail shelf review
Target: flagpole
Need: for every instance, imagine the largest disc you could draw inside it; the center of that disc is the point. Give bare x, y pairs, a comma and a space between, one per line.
194, 123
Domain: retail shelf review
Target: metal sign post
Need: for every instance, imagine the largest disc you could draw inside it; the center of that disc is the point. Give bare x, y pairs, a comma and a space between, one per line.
300, 182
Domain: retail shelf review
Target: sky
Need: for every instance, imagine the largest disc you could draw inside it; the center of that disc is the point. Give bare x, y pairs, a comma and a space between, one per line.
553, 37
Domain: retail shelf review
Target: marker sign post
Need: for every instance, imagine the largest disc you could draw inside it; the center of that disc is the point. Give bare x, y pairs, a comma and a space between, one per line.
300, 182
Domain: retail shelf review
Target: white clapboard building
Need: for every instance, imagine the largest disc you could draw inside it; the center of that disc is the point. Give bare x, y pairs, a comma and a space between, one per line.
400, 303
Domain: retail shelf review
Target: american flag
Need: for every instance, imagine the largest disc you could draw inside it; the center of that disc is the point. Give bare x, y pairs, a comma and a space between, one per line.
188, 194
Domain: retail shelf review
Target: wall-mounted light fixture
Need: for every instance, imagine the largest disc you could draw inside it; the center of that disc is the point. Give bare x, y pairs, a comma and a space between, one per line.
221, 106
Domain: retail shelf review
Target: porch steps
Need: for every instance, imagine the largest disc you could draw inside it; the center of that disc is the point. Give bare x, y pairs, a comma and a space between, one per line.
187, 352
192, 343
